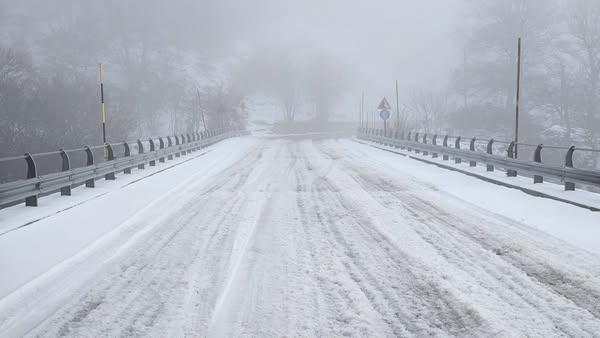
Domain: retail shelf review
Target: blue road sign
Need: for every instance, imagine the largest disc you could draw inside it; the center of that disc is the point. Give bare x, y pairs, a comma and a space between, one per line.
385, 115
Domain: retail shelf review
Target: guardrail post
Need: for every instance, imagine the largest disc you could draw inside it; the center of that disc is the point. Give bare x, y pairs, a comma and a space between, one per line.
182, 139
445, 157
569, 186
152, 149
396, 138
189, 141
417, 141
409, 139
66, 166
457, 146
537, 157
402, 138
127, 154
472, 148
31, 201
141, 151
425, 152
511, 150
169, 144
511, 154
111, 157
91, 183
490, 151
434, 142
177, 154
198, 141
161, 144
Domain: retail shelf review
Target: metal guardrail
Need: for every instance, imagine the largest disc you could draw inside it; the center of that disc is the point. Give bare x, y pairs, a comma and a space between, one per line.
420, 144
33, 186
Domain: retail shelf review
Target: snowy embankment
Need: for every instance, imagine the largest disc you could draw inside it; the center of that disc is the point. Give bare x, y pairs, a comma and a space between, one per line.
579, 227
268, 237
581, 198
32, 240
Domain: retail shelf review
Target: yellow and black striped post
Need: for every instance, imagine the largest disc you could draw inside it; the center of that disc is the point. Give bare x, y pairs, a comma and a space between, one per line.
103, 112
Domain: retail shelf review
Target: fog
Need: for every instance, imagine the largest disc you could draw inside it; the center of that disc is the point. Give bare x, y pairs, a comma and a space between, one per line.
238, 62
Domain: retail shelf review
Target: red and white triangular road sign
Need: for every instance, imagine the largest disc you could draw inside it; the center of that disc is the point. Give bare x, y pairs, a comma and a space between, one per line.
384, 105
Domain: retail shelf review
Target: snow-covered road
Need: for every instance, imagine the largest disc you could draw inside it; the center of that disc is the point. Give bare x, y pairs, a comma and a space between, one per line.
316, 239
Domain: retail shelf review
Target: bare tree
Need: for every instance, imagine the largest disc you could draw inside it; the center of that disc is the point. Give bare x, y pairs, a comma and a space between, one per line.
584, 25
324, 84
428, 108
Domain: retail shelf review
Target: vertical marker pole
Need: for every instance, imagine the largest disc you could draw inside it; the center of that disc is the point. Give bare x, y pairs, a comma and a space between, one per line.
518, 99
397, 108
362, 99
103, 111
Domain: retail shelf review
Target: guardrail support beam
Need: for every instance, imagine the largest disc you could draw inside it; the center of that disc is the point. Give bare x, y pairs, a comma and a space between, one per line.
417, 141
161, 144
183, 152
537, 157
152, 149
66, 166
457, 146
140, 151
111, 157
490, 151
169, 144
445, 143
127, 154
91, 183
434, 142
569, 186
31, 201
511, 154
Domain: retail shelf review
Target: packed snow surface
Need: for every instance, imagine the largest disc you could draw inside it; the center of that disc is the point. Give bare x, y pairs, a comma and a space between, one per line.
273, 237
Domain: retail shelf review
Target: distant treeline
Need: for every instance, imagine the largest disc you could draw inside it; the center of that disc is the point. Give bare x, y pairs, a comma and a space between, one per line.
157, 80
560, 87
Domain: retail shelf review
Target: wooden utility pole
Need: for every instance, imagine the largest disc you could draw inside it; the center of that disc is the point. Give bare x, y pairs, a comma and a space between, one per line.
362, 108
359, 117
518, 98
103, 111
397, 108
465, 88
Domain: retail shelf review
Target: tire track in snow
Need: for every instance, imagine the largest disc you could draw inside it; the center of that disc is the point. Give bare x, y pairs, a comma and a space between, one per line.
449, 234
407, 298
137, 292
338, 302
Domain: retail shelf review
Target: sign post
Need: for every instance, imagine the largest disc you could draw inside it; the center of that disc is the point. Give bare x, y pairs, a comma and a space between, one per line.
518, 99
384, 113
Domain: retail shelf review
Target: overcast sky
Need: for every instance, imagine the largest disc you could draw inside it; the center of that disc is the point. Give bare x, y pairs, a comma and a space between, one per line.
377, 41
380, 40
